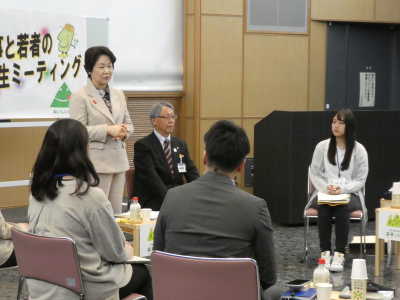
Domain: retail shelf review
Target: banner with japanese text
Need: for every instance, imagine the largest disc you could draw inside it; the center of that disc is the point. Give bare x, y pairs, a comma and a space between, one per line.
41, 63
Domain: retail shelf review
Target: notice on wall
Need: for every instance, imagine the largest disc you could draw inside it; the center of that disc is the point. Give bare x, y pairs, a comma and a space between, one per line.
41, 63
389, 224
367, 89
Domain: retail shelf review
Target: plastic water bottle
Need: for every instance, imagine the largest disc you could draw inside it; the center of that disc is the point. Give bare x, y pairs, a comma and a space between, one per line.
321, 273
134, 211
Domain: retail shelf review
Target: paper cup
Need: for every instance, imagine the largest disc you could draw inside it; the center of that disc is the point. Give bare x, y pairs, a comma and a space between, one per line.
395, 195
145, 214
324, 291
396, 188
359, 269
358, 289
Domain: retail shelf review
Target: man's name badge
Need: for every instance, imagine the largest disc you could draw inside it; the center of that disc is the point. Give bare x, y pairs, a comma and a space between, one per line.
181, 165
182, 168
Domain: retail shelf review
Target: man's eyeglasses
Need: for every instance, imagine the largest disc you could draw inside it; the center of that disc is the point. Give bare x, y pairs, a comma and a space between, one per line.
171, 117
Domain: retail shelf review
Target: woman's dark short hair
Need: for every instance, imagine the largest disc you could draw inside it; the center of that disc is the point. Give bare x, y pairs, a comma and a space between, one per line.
347, 116
226, 146
92, 54
63, 152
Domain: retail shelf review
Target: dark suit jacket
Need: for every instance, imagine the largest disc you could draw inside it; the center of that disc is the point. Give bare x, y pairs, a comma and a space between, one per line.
152, 175
210, 217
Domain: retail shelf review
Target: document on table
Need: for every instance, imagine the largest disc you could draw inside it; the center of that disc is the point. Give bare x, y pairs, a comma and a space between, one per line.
153, 215
138, 260
122, 215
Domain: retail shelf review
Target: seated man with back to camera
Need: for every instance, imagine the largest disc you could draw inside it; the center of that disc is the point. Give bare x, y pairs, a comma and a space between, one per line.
161, 160
211, 217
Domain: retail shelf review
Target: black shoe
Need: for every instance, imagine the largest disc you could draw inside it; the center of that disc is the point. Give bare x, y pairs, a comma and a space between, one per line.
374, 287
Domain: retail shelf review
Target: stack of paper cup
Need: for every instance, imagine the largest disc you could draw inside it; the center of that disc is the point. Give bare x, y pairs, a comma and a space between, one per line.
396, 195
324, 290
359, 279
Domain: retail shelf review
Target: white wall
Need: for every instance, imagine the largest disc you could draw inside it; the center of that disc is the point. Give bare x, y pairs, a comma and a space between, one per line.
87, 8
146, 36
148, 40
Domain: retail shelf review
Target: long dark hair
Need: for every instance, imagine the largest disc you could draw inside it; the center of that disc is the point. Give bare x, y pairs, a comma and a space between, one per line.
63, 152
345, 115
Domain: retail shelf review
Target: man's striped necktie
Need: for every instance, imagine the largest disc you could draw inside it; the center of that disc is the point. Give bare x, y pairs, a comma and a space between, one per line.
168, 156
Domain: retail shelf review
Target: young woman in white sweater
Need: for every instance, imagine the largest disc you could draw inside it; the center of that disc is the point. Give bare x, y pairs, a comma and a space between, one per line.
339, 166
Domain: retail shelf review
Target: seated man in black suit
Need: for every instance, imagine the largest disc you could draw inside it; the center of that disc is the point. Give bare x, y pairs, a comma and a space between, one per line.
161, 160
211, 217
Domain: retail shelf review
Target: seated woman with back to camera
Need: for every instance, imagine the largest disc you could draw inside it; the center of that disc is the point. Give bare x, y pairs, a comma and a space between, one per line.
66, 202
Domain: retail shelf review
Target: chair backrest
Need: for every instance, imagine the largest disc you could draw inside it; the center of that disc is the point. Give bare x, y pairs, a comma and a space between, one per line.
178, 277
51, 259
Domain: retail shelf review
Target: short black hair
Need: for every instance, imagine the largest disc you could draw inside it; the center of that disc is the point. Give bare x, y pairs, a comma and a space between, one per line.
63, 152
92, 54
226, 146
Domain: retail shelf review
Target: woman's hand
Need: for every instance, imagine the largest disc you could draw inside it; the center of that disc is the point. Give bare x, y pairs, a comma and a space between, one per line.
125, 132
128, 249
334, 190
118, 132
22, 226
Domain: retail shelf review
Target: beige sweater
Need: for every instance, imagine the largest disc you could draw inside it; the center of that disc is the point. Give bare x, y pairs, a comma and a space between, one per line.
89, 221
6, 246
